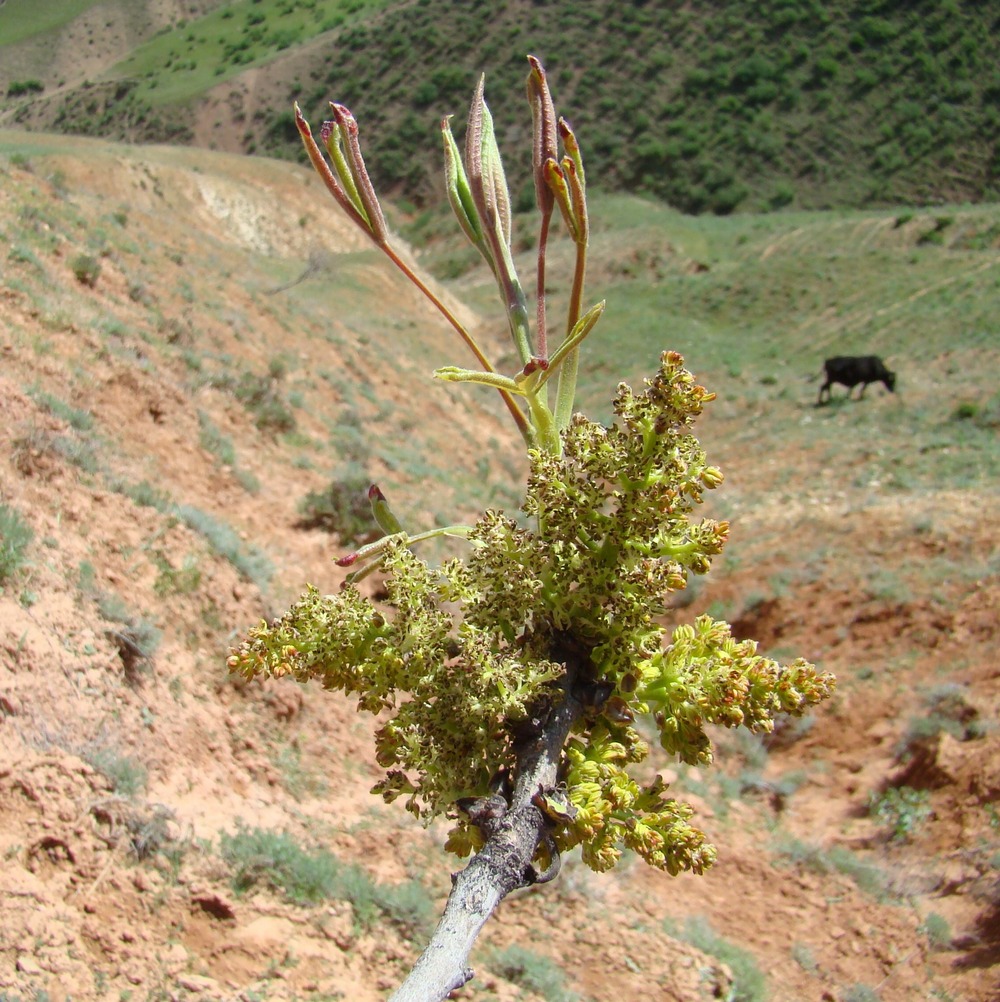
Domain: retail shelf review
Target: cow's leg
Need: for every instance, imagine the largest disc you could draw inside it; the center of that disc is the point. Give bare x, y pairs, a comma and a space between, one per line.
864, 386
824, 388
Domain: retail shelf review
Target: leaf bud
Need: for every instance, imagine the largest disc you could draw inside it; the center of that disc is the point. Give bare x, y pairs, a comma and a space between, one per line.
544, 147
386, 520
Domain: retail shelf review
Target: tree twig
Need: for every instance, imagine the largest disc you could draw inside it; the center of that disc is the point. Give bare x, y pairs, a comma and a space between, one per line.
504, 864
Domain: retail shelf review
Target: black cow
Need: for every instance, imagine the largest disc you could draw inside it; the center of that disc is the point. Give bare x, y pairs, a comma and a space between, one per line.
849, 370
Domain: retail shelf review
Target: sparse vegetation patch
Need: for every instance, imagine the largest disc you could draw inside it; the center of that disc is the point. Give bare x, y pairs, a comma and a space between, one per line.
16, 536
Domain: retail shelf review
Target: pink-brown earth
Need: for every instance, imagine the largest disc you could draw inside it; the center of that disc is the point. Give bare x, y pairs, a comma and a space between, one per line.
121, 774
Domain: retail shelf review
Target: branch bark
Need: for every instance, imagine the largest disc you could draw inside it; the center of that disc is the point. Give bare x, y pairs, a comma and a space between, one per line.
503, 864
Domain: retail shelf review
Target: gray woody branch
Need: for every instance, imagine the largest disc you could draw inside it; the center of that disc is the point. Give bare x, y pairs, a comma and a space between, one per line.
513, 834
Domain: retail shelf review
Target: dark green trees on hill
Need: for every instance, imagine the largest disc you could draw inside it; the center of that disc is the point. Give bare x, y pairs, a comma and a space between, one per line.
737, 105
748, 105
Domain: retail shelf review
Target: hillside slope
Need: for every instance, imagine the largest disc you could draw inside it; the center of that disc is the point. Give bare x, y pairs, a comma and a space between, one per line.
713, 108
168, 832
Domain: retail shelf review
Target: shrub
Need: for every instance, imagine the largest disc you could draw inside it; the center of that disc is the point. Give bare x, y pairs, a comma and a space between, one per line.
87, 269
902, 810
297, 779
260, 396
77, 451
782, 195
171, 580
868, 877
342, 507
749, 982
127, 775
18, 88
250, 561
136, 638
948, 710
79, 419
149, 828
144, 494
860, 993
275, 860
937, 930
211, 439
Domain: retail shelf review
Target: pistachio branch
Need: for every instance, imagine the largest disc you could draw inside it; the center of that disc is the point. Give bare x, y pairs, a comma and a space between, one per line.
504, 864
509, 683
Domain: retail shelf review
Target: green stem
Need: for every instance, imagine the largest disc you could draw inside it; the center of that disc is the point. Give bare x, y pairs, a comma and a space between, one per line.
566, 392
543, 242
378, 548
545, 428
519, 419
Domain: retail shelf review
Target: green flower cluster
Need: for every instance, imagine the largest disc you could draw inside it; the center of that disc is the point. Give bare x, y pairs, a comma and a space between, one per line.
473, 652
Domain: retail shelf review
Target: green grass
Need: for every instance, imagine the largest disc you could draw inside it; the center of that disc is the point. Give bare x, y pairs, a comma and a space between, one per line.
251, 561
170, 580
23, 19
297, 777
756, 303
79, 419
750, 985
276, 860
341, 507
868, 877
784, 291
187, 60
144, 494
212, 440
534, 973
901, 810
937, 930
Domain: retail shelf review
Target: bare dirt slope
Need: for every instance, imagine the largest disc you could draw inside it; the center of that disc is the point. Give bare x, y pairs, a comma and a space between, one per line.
157, 430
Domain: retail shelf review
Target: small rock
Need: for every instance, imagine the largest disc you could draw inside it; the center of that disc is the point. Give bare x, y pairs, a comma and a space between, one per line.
880, 731
175, 957
197, 983
10, 705
28, 965
133, 972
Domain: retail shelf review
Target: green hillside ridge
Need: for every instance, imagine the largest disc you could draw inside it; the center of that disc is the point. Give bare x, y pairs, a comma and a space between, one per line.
743, 106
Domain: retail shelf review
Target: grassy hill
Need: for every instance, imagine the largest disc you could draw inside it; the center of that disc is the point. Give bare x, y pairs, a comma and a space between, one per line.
713, 108
194, 345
